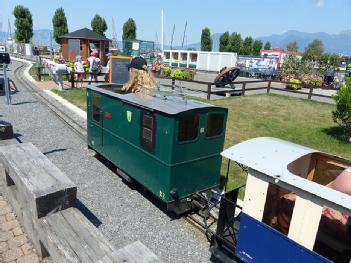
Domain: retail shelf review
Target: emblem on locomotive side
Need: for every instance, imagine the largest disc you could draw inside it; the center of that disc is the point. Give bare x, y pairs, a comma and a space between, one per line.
129, 116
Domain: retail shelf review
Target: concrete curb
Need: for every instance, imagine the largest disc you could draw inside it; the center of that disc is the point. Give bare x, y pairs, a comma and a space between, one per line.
26, 71
67, 104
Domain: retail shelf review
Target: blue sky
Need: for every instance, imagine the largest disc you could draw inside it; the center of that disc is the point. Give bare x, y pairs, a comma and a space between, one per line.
248, 17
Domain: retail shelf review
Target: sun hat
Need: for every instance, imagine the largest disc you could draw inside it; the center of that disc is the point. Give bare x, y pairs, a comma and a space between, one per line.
138, 63
94, 53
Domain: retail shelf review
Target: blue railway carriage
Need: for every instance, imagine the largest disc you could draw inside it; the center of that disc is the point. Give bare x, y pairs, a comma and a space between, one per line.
293, 210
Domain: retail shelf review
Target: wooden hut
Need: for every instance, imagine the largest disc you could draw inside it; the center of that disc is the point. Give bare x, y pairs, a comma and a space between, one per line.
82, 42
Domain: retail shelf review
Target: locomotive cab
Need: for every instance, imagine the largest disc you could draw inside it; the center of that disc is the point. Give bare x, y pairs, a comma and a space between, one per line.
291, 211
170, 145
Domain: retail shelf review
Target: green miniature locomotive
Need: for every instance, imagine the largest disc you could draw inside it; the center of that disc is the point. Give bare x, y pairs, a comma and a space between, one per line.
168, 144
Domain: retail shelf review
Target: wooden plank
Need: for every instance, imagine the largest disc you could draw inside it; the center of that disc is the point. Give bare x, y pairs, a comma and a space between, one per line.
136, 252
45, 188
69, 230
8, 142
255, 195
305, 221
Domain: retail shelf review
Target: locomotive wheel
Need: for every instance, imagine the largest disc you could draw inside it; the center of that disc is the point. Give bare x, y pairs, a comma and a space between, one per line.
226, 75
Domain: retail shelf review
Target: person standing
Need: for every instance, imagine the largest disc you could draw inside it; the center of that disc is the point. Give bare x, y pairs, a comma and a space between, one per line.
79, 69
94, 66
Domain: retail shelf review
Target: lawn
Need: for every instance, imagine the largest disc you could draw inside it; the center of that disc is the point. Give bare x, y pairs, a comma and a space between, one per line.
300, 121
76, 96
297, 120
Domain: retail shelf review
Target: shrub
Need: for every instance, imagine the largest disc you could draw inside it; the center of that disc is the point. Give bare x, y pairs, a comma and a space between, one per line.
312, 80
183, 73
166, 71
295, 84
342, 114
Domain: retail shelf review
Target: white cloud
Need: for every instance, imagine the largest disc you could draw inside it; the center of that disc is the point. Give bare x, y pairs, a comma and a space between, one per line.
319, 3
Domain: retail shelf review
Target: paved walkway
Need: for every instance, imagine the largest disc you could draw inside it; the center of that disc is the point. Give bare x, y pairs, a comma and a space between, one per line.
14, 245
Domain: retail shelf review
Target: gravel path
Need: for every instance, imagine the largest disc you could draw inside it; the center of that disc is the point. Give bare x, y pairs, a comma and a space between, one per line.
123, 214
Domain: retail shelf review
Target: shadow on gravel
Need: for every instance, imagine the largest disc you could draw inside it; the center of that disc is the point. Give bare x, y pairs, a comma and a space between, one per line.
134, 185
87, 213
24, 102
55, 151
17, 136
338, 133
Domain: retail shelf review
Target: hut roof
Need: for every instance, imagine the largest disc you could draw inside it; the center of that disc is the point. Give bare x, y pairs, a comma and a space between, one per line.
85, 33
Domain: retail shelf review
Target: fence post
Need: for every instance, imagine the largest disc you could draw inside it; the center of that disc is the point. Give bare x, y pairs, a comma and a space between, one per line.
39, 73
269, 86
72, 79
173, 83
243, 89
310, 93
208, 91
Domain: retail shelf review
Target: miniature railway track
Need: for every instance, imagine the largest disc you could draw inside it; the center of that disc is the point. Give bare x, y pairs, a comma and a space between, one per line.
65, 118
195, 219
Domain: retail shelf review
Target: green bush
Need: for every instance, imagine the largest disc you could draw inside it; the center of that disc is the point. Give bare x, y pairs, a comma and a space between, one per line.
166, 71
342, 114
295, 84
180, 73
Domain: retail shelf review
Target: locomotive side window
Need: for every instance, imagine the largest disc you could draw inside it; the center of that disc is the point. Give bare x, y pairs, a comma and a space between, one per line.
96, 108
147, 131
188, 127
214, 124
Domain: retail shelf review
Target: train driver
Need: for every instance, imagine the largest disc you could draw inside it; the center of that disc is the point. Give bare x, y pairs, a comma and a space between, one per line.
140, 80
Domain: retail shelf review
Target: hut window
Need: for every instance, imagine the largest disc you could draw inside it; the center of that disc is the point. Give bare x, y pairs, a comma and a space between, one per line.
147, 131
214, 124
96, 108
188, 127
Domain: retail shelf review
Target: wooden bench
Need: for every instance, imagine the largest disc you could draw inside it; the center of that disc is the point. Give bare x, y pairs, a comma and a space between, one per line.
70, 237
43, 198
35, 187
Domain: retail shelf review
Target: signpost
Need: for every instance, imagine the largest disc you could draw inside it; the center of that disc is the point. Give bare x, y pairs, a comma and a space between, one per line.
4, 61
119, 72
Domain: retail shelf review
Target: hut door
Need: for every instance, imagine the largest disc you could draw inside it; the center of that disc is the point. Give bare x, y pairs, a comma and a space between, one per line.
96, 124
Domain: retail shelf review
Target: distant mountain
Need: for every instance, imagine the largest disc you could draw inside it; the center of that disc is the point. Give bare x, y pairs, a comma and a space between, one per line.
40, 37
333, 43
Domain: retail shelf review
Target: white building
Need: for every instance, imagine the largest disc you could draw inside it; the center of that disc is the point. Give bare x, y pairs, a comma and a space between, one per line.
200, 60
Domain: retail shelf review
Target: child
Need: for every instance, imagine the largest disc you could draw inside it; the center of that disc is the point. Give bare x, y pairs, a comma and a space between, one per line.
79, 68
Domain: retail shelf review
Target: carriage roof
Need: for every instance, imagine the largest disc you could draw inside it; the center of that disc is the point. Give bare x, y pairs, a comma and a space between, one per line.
167, 104
271, 157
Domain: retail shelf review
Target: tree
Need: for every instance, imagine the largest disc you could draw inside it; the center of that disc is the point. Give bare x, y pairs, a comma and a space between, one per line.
267, 46
98, 24
314, 50
247, 46
256, 47
129, 30
235, 43
224, 42
59, 24
23, 24
292, 46
206, 40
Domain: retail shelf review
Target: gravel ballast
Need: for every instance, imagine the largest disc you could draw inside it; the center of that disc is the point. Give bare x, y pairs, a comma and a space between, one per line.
123, 214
